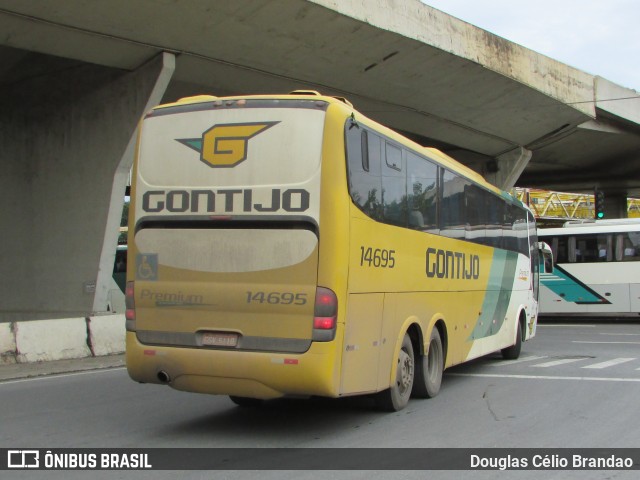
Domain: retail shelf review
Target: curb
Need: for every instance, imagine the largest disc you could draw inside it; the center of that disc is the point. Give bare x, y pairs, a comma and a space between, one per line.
20, 371
61, 339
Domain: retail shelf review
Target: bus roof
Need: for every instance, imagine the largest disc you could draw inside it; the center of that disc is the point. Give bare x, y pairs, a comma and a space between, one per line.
440, 157
594, 226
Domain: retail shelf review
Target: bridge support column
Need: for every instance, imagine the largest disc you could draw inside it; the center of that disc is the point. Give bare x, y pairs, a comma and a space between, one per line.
510, 166
615, 205
66, 137
155, 77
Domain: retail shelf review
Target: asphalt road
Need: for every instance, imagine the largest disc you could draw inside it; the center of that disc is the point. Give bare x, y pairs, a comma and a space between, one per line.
575, 385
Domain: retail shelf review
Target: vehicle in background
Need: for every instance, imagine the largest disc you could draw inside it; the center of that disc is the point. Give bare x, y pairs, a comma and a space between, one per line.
115, 299
596, 270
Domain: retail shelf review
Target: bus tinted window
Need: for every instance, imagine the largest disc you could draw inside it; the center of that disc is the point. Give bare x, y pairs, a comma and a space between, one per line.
365, 184
476, 200
495, 217
628, 247
560, 248
509, 235
590, 248
453, 205
422, 190
394, 187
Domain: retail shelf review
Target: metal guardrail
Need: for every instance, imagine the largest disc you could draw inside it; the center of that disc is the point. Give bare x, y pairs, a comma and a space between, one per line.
566, 206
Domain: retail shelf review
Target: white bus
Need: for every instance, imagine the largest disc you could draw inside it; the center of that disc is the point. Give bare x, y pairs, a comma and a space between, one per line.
596, 271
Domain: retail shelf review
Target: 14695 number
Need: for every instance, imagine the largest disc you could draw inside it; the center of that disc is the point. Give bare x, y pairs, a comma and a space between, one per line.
377, 257
277, 298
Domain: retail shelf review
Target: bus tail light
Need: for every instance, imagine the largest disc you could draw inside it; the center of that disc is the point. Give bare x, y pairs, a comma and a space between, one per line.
130, 305
325, 315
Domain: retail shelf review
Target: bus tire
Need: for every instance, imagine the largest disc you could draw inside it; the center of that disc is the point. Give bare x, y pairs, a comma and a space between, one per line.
245, 401
513, 352
429, 369
397, 396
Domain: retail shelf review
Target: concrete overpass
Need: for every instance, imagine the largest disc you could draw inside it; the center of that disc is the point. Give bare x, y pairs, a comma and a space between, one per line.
77, 75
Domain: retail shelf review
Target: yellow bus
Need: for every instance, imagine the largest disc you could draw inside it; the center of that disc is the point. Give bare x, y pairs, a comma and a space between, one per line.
288, 245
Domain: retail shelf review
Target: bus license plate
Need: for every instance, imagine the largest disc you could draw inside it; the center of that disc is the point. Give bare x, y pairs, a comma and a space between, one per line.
217, 339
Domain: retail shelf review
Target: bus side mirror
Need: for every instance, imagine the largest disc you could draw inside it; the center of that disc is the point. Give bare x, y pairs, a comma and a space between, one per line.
547, 257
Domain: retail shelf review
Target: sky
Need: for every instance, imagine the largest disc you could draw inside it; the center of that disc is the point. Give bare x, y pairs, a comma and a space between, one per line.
600, 37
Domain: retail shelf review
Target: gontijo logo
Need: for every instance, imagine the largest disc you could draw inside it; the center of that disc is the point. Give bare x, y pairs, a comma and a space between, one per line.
225, 146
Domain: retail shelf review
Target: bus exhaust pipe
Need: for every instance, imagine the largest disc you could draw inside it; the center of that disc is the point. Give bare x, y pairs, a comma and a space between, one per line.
164, 377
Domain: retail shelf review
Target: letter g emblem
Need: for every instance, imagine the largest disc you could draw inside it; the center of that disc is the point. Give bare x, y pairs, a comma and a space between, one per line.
227, 145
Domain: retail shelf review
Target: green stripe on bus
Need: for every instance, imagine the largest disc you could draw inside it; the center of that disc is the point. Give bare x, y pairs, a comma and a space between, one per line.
498, 296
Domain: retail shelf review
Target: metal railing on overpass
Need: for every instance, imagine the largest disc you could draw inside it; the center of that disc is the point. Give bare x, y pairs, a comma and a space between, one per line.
566, 206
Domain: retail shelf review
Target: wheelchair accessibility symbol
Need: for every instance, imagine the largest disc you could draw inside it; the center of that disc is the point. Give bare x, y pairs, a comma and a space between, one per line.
147, 266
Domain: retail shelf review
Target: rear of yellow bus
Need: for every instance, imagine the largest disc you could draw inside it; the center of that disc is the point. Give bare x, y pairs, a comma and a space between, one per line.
224, 292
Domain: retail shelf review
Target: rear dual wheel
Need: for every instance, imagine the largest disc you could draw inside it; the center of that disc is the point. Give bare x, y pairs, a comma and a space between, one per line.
429, 368
397, 396
420, 377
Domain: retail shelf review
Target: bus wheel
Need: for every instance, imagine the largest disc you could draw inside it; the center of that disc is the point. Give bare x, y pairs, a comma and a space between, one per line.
245, 401
397, 397
513, 352
429, 369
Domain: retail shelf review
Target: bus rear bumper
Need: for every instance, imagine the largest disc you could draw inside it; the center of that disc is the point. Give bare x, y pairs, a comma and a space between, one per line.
261, 375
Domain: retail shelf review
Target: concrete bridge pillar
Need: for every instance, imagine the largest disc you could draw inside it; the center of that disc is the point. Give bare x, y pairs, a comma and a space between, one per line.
63, 133
615, 205
510, 166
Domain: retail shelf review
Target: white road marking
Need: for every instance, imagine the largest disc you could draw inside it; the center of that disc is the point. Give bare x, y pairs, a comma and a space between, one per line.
553, 325
502, 363
607, 343
554, 363
621, 334
610, 363
545, 377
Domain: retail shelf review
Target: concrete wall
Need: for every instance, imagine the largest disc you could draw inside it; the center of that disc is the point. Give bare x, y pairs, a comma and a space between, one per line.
61, 339
65, 132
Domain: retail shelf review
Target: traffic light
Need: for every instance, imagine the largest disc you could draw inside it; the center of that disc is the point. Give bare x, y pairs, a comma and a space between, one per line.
599, 204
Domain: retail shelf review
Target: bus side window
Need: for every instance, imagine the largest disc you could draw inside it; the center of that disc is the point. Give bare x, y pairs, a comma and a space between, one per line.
559, 247
592, 248
422, 192
363, 156
394, 187
475, 214
585, 251
605, 248
574, 252
629, 246
453, 221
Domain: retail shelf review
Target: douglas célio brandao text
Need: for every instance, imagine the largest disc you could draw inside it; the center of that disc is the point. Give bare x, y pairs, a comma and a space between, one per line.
550, 462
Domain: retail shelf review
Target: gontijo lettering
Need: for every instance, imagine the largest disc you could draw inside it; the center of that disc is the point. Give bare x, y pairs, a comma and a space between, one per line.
226, 200
452, 265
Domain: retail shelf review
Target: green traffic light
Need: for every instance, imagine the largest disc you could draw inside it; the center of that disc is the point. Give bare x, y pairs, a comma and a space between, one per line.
599, 204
